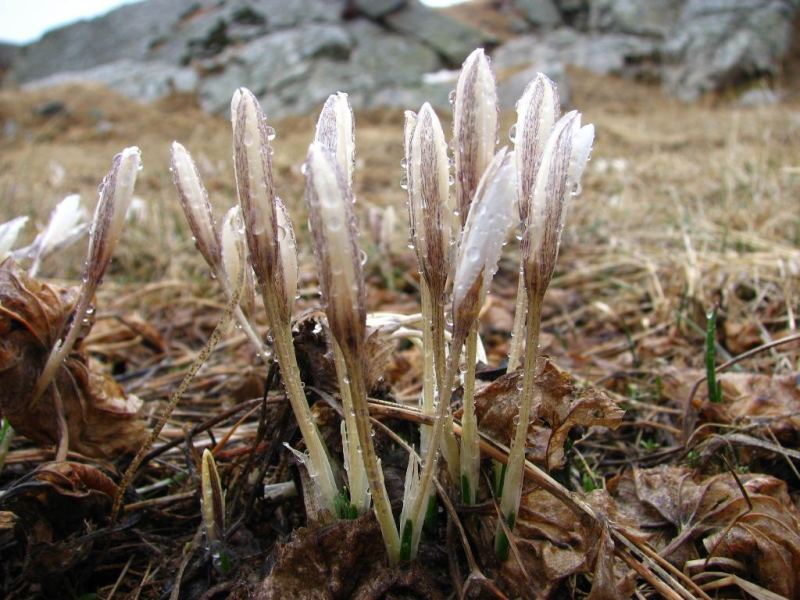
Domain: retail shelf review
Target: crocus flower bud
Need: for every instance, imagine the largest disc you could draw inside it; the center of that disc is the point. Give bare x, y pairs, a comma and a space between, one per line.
233, 250
433, 223
475, 126
330, 208
8, 234
116, 193
336, 131
490, 217
252, 157
563, 161
537, 112
195, 204
212, 500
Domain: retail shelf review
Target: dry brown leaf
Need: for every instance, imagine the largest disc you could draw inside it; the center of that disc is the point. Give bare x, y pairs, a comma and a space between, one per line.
561, 405
58, 506
316, 360
747, 398
554, 542
102, 420
344, 560
686, 509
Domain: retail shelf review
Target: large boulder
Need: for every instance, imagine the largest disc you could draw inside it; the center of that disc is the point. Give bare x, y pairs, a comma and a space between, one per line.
449, 38
638, 17
599, 53
539, 13
146, 81
716, 43
294, 70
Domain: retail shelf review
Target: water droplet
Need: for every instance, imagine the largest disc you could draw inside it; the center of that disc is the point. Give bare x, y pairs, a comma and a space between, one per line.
248, 140
271, 133
451, 97
512, 133
404, 182
304, 168
362, 257
473, 254
404, 163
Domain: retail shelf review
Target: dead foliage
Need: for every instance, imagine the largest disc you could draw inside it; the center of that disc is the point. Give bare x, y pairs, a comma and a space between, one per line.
102, 420
749, 519
561, 404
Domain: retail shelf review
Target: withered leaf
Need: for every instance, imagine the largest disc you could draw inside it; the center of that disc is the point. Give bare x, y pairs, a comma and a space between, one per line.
688, 509
747, 398
560, 404
554, 543
315, 358
58, 507
344, 560
102, 420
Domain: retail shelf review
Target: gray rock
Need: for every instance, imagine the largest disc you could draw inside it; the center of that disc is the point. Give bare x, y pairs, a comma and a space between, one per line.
602, 54
720, 42
541, 13
510, 89
145, 81
168, 31
125, 33
759, 96
450, 38
270, 63
375, 9
378, 64
639, 17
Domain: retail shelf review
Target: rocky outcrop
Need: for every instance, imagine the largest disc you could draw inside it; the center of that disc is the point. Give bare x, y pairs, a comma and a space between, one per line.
691, 46
395, 52
292, 54
720, 42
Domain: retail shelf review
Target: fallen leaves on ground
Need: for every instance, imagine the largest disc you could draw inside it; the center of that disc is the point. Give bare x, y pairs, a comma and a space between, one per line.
756, 526
102, 420
767, 401
57, 507
560, 405
343, 560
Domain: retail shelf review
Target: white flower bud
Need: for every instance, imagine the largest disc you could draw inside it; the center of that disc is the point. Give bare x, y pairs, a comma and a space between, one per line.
195, 204
475, 126
336, 131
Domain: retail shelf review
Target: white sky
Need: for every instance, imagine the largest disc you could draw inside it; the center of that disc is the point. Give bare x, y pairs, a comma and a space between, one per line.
23, 21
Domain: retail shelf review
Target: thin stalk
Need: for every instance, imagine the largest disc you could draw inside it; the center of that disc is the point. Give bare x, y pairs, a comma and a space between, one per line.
445, 392
247, 328
447, 439
470, 448
319, 459
63, 348
356, 474
512, 486
380, 499
428, 365
518, 331
197, 363
6, 435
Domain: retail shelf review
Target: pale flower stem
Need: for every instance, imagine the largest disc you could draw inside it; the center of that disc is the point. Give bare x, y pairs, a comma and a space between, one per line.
252, 335
518, 331
357, 476
63, 348
512, 487
417, 511
450, 446
470, 447
428, 365
290, 373
380, 499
